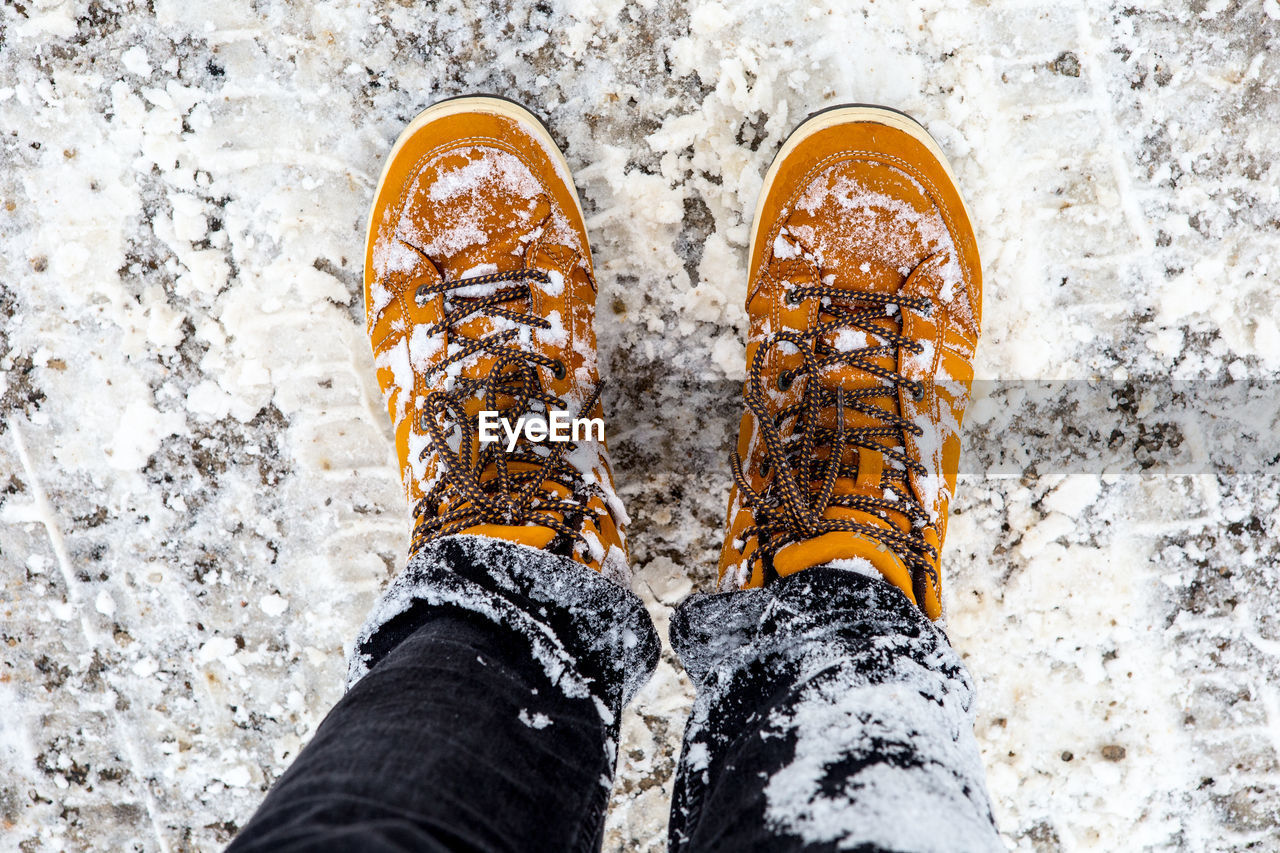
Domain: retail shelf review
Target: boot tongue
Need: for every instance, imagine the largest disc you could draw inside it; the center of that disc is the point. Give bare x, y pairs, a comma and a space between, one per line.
869, 464
802, 252
862, 551
535, 536
857, 551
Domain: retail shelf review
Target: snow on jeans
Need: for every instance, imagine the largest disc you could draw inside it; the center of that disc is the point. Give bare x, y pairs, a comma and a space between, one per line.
486, 687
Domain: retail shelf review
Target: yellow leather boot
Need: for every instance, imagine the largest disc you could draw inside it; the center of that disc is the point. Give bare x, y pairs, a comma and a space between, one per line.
480, 300
865, 300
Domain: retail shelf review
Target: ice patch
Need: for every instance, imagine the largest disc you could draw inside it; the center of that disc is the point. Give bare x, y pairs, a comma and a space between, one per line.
934, 433
455, 239
862, 227
491, 171
588, 458
209, 401
535, 720
1074, 495
139, 433
482, 289
273, 605
554, 336
851, 340
104, 603
919, 365
423, 348
616, 568
857, 565
697, 758
391, 255
396, 359
135, 61
594, 548
784, 249
899, 808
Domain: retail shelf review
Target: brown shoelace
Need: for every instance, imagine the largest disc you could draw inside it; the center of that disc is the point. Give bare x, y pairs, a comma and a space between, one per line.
800, 483
488, 491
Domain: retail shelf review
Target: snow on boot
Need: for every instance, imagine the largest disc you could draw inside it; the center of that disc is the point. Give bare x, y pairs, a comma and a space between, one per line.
480, 303
865, 299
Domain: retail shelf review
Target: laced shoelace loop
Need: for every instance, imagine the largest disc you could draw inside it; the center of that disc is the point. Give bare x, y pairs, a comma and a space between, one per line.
800, 483
497, 486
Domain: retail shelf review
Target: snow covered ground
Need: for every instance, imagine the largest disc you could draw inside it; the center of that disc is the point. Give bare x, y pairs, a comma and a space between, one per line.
198, 500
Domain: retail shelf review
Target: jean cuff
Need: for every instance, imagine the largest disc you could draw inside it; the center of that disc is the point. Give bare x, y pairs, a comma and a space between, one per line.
592, 635
811, 613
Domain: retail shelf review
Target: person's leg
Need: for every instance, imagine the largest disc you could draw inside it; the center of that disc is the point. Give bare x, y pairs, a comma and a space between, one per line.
831, 715
831, 712
484, 714
491, 676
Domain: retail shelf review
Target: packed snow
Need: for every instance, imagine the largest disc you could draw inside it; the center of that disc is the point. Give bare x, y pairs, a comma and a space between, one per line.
199, 500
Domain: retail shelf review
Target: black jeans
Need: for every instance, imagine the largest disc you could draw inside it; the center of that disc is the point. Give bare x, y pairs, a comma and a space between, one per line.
486, 689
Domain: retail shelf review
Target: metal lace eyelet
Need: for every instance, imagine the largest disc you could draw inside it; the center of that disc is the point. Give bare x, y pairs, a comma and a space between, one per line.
558, 369
421, 295
926, 310
794, 297
784, 381
917, 392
